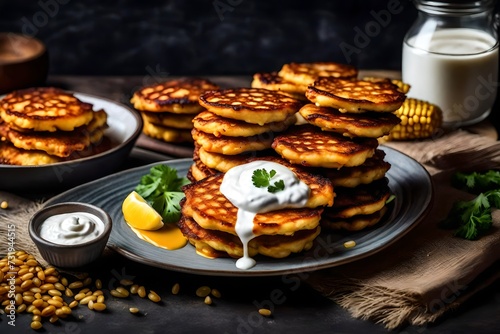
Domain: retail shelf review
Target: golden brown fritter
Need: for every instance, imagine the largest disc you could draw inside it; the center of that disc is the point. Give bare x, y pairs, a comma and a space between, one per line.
372, 169
306, 73
354, 223
166, 134
369, 124
198, 169
168, 119
356, 96
308, 145
11, 155
45, 109
178, 96
272, 81
223, 162
212, 210
216, 125
213, 243
59, 143
232, 145
252, 105
364, 199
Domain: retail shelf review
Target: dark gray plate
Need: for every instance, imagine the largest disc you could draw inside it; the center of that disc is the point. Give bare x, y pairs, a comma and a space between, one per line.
409, 181
125, 126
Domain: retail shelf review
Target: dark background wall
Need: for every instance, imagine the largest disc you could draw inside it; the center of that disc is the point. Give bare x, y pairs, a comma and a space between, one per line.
210, 37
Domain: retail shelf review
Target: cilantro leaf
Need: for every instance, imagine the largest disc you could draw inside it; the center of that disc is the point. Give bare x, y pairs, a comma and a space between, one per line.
277, 186
477, 182
261, 178
470, 219
162, 189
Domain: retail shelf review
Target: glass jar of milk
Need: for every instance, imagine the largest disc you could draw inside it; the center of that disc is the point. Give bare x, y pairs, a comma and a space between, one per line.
450, 58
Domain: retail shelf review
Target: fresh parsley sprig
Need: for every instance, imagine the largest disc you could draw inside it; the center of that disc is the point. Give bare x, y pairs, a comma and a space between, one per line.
477, 182
472, 218
261, 178
162, 189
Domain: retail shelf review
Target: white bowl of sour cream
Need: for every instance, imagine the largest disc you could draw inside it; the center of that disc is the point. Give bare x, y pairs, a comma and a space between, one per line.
70, 234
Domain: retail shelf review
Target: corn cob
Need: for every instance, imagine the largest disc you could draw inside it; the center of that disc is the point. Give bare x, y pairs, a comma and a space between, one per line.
419, 120
403, 87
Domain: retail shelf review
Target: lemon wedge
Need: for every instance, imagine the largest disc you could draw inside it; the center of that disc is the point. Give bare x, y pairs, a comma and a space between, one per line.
139, 214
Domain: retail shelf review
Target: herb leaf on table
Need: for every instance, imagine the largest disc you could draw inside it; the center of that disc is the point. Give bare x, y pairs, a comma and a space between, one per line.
478, 182
472, 218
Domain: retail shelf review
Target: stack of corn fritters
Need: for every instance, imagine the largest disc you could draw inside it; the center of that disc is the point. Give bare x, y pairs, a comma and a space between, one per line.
336, 144
46, 125
238, 127
168, 108
345, 117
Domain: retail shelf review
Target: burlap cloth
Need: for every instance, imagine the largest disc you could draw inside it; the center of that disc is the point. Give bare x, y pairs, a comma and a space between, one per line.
415, 280
428, 272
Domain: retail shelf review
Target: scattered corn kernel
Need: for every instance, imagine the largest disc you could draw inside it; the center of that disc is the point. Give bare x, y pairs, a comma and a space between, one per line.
153, 296
203, 291
80, 296
4, 205
208, 300
175, 288
87, 299
64, 281
133, 310
68, 292
116, 293
216, 293
75, 285
123, 291
349, 244
99, 306
134, 288
36, 325
265, 312
141, 291
48, 311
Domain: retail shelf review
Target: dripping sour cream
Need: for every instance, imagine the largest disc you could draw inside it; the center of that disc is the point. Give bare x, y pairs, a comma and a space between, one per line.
71, 228
238, 187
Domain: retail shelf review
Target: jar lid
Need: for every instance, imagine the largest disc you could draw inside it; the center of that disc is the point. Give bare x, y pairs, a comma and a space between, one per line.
458, 7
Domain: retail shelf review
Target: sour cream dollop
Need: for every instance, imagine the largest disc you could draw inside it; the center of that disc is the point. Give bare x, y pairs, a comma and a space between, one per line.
71, 228
238, 187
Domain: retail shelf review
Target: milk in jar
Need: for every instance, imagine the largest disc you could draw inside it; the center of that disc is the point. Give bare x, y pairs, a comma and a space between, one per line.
450, 62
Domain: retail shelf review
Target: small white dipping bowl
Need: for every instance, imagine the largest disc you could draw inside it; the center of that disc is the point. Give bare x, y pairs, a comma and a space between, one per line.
69, 256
